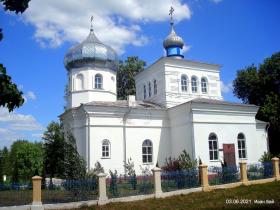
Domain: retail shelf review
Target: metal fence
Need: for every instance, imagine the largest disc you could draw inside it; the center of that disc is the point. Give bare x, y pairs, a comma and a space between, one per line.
122, 186
259, 171
183, 179
15, 194
62, 191
223, 175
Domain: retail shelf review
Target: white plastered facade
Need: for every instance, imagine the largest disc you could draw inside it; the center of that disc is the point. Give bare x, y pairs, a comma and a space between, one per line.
172, 119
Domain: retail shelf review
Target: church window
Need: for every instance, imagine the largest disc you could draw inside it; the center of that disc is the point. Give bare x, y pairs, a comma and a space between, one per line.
184, 83
98, 81
241, 145
213, 146
145, 94
203, 85
147, 151
194, 84
150, 89
79, 82
155, 87
105, 148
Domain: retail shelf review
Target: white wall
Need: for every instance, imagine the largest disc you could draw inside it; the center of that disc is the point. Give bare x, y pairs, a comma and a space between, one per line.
88, 93
168, 72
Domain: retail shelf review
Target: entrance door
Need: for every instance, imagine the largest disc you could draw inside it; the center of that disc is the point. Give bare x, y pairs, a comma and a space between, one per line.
229, 154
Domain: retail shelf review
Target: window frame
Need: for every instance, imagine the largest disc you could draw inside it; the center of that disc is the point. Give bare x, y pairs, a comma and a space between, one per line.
184, 83
145, 91
240, 149
213, 150
204, 87
155, 87
194, 87
99, 84
147, 151
150, 89
107, 146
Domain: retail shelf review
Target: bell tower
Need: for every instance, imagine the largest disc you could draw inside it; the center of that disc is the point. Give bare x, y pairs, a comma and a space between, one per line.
91, 67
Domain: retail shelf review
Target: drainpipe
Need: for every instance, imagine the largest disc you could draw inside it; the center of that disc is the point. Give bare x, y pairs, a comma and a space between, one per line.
87, 138
124, 135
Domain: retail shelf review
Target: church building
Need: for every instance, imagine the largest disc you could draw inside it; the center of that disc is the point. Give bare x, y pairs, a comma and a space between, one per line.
178, 106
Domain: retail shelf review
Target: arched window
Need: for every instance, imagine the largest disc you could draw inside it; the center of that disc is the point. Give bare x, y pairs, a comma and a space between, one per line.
241, 145
144, 90
79, 82
98, 81
155, 87
150, 89
203, 85
106, 148
213, 146
147, 151
184, 83
194, 84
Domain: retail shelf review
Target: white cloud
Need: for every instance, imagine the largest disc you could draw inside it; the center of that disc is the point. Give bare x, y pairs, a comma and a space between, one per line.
216, 1
31, 95
186, 48
116, 23
226, 88
15, 126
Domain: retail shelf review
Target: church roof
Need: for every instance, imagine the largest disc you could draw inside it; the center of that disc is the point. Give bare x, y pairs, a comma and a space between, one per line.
125, 104
91, 52
219, 102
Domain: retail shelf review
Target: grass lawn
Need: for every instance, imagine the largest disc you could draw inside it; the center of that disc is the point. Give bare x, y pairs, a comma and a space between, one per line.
209, 200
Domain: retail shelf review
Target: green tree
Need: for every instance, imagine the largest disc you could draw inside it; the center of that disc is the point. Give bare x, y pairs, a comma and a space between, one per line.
26, 160
125, 76
4, 163
61, 156
74, 164
261, 86
186, 162
10, 96
54, 150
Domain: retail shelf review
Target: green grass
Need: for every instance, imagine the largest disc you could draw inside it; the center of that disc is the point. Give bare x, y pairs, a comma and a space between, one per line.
208, 200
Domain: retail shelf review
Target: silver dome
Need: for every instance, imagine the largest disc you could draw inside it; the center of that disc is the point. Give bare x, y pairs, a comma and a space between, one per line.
91, 52
173, 40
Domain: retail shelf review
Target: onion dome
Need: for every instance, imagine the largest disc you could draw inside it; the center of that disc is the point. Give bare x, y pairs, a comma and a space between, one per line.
173, 43
92, 53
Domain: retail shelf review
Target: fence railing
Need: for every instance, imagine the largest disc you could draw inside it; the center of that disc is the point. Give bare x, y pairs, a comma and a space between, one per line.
101, 189
129, 185
64, 191
223, 175
183, 179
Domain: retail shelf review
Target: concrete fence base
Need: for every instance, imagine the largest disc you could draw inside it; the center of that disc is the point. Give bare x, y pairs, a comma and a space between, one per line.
103, 199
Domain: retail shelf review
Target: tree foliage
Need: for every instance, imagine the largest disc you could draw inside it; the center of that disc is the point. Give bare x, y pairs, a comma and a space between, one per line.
261, 86
125, 76
10, 96
53, 147
61, 156
26, 160
15, 5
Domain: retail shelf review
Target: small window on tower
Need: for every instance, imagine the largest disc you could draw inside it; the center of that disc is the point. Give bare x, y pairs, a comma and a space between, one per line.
98, 81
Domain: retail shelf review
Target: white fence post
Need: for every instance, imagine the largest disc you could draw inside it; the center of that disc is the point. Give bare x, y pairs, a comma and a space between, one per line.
157, 182
103, 199
275, 164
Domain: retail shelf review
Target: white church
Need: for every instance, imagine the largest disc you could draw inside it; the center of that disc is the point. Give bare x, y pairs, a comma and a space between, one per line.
178, 106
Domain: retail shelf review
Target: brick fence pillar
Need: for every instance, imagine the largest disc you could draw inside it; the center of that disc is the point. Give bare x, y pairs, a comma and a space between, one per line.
37, 194
203, 175
243, 172
103, 199
157, 182
275, 165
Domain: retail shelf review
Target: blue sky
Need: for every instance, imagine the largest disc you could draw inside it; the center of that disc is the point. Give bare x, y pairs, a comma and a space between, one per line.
233, 33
